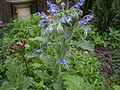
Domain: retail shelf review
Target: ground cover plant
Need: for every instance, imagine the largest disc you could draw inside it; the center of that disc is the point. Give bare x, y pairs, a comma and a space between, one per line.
55, 51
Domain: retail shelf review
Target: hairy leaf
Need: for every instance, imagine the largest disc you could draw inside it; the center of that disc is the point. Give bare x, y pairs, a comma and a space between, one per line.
74, 82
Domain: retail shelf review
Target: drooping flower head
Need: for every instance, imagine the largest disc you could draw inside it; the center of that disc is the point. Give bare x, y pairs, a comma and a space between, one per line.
60, 28
81, 2
87, 29
81, 23
85, 21
89, 17
53, 8
62, 5
77, 6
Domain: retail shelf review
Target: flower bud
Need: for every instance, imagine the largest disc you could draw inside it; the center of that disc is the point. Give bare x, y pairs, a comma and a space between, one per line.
25, 41
63, 5
49, 29
22, 46
17, 44
60, 28
10, 47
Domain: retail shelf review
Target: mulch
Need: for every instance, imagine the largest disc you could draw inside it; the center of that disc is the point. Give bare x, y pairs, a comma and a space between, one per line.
105, 57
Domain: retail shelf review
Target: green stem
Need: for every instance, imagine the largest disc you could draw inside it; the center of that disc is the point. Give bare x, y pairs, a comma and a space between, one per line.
80, 36
26, 65
67, 4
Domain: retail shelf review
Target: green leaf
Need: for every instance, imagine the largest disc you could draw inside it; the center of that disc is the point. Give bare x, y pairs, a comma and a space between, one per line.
116, 87
58, 1
40, 86
7, 86
57, 86
42, 39
2, 68
36, 65
74, 82
41, 74
15, 77
87, 45
30, 56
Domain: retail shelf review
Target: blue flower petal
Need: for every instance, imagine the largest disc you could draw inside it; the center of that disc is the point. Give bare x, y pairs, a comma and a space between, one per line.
41, 24
63, 62
40, 50
44, 45
53, 8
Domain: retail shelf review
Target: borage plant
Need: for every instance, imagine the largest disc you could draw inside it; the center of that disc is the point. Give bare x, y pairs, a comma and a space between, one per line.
58, 30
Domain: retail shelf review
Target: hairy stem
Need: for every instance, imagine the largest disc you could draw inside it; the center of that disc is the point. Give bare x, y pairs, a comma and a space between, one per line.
67, 4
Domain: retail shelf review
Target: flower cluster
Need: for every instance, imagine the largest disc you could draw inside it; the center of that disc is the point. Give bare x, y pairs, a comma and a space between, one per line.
77, 6
18, 46
53, 8
85, 21
45, 18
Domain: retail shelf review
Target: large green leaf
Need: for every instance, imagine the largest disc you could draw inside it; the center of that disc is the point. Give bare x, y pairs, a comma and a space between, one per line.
41, 74
116, 87
15, 77
87, 45
42, 39
57, 86
36, 65
74, 82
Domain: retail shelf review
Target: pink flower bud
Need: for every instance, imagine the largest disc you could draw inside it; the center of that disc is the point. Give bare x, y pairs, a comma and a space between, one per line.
17, 44
22, 46
25, 41
10, 47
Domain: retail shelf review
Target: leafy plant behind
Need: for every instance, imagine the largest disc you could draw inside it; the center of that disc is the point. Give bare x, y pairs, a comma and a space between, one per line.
105, 12
15, 77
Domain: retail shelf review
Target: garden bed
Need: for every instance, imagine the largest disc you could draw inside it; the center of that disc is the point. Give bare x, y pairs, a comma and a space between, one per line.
59, 50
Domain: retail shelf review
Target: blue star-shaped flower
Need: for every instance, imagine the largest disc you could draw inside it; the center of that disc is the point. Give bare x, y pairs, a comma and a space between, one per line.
41, 24
63, 62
